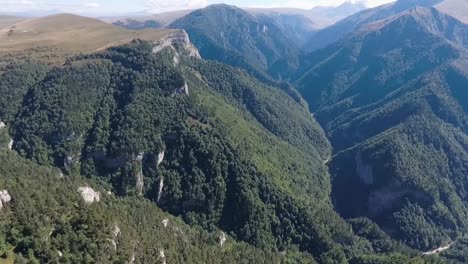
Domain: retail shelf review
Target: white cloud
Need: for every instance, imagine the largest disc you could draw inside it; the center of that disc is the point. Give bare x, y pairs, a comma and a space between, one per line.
158, 6
91, 5
17, 5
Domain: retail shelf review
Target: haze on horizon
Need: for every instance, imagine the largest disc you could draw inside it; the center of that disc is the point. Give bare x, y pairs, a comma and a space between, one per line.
119, 7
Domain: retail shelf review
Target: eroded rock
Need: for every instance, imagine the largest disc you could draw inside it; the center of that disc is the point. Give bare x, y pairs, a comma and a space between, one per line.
4, 198
132, 259
181, 38
162, 256
161, 186
165, 222
89, 195
2, 125
222, 239
10, 144
160, 158
139, 178
182, 90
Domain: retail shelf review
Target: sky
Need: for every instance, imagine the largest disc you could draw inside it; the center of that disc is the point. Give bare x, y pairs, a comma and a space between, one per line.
116, 7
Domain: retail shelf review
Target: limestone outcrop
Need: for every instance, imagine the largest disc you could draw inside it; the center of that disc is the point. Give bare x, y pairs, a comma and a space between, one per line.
4, 198
89, 195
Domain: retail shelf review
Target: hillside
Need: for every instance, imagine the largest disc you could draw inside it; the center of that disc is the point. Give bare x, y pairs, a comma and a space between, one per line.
341, 29
231, 35
455, 8
394, 108
47, 220
202, 140
320, 16
70, 33
297, 28
6, 21
197, 161
146, 21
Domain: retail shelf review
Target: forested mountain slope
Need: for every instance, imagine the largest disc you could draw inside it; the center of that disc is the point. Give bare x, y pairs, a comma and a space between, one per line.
47, 220
202, 140
222, 150
346, 26
392, 98
231, 35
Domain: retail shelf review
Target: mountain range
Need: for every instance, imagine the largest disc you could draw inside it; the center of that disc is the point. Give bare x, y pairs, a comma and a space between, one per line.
237, 136
353, 22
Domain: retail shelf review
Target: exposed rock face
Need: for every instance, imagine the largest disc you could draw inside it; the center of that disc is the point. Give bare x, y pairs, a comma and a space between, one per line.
161, 186
116, 234
175, 60
117, 231
181, 38
162, 256
222, 239
70, 161
165, 222
10, 145
139, 176
183, 90
2, 125
438, 250
160, 158
132, 259
4, 198
89, 195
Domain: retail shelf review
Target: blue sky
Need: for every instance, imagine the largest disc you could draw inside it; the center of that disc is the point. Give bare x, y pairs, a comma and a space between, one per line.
109, 7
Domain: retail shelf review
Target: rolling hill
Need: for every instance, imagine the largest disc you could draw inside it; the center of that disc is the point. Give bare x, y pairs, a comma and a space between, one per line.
147, 21
6, 21
71, 33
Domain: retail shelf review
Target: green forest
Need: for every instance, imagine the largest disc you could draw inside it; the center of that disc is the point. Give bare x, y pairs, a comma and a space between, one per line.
199, 140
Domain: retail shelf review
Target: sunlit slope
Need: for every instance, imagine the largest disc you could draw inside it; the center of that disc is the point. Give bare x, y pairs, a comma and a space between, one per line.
70, 32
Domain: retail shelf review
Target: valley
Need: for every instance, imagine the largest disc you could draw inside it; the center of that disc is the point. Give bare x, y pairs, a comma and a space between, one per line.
236, 135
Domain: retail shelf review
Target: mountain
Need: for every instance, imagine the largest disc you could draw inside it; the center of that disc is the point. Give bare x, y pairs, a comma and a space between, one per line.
391, 97
70, 33
346, 26
6, 21
455, 8
297, 28
154, 124
142, 151
339, 12
223, 33
320, 16
146, 21
47, 217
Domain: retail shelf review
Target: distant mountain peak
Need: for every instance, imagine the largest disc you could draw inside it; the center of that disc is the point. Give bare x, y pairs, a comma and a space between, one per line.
406, 4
